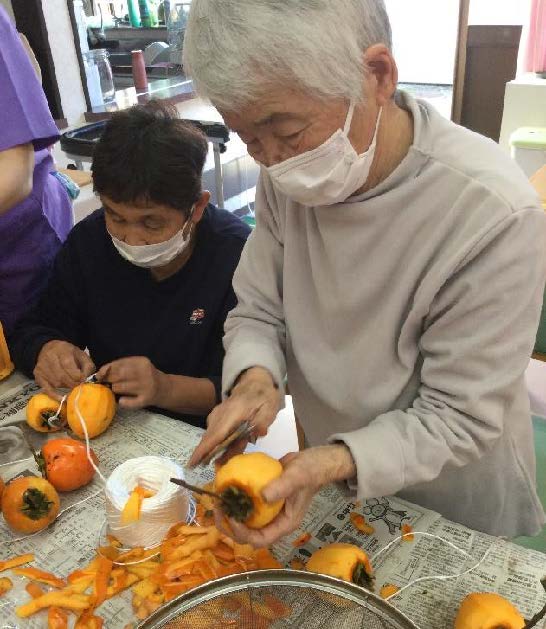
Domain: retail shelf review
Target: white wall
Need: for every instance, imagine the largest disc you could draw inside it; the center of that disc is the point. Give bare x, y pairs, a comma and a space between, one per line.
63, 51
425, 39
498, 12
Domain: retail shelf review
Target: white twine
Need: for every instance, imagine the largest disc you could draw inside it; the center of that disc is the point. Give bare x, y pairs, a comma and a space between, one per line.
439, 577
52, 421
159, 513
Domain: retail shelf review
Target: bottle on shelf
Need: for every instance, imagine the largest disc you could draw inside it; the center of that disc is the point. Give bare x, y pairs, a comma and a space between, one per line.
139, 70
145, 15
134, 13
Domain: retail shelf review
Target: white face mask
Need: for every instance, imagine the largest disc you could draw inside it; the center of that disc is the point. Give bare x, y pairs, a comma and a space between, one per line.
329, 174
151, 256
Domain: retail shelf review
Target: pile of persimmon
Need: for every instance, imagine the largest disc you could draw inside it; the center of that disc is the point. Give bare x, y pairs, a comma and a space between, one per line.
30, 503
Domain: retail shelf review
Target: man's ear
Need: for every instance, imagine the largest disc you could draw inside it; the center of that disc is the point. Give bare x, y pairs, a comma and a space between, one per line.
200, 206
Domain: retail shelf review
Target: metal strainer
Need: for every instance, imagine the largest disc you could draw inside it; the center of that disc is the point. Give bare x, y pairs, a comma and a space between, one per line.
277, 599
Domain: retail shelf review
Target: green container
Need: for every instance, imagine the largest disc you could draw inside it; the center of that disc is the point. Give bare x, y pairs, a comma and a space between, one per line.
249, 220
533, 138
134, 13
145, 16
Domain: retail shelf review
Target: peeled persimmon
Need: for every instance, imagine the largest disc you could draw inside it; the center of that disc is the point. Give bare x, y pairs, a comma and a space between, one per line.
344, 561
487, 610
96, 404
40, 409
29, 504
240, 483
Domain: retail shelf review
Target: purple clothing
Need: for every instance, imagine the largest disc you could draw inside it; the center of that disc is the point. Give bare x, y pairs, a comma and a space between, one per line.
31, 232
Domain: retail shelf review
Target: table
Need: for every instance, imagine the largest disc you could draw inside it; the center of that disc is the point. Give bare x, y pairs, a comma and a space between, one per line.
70, 542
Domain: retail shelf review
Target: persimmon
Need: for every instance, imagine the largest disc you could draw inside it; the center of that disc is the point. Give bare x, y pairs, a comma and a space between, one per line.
486, 610
97, 406
30, 504
344, 561
2, 486
40, 409
240, 483
65, 464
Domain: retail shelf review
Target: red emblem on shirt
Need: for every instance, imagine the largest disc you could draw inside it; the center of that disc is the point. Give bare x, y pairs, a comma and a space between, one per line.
197, 316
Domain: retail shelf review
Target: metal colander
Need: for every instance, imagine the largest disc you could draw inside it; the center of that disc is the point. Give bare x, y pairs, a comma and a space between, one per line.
277, 599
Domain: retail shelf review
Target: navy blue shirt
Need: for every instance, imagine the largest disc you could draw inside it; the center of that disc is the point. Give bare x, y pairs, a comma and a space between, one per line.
98, 300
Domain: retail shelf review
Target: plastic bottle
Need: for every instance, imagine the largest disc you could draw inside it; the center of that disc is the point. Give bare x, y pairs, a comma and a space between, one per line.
134, 13
145, 16
139, 70
153, 12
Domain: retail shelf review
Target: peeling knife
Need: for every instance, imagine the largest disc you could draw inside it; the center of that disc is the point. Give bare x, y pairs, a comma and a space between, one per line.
244, 430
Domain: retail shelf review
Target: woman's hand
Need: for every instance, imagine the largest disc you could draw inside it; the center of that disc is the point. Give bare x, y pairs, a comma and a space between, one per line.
135, 379
305, 473
61, 365
255, 398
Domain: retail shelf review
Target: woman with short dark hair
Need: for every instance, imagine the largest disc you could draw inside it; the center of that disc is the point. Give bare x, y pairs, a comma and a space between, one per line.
145, 282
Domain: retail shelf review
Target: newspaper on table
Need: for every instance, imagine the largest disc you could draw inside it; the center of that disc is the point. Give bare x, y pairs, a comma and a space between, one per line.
71, 542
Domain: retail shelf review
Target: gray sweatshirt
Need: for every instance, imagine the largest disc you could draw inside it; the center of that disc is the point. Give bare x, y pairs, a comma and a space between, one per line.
405, 319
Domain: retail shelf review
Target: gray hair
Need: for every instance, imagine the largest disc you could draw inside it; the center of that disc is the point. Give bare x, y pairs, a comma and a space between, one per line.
234, 49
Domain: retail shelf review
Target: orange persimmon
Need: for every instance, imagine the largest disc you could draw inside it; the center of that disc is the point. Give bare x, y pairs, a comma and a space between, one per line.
485, 610
343, 561
30, 504
97, 406
240, 483
40, 408
65, 464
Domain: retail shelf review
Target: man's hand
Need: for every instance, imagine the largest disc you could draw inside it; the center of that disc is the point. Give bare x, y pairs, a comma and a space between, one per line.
135, 379
254, 398
305, 473
61, 365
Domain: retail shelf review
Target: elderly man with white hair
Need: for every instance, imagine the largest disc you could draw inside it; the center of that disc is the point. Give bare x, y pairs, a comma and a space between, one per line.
395, 275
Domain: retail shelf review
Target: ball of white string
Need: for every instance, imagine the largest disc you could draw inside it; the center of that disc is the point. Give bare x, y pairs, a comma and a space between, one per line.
166, 507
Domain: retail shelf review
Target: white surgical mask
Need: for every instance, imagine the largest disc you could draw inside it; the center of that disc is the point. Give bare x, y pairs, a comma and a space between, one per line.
150, 256
329, 174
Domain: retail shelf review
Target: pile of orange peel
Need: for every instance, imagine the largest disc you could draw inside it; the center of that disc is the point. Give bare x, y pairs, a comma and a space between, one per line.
190, 555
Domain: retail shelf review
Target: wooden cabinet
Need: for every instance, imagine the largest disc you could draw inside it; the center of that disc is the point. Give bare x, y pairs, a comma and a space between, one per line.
491, 60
